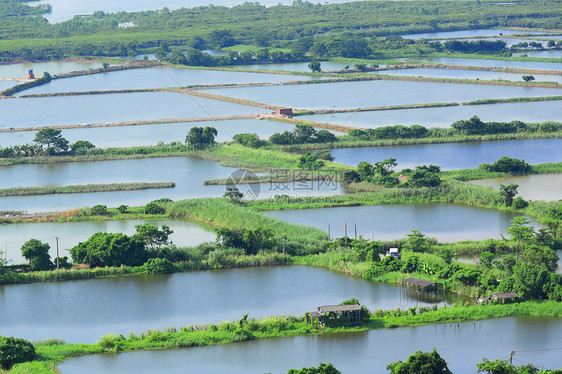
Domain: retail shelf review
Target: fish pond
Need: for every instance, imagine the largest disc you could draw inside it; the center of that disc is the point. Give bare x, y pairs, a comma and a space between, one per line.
13, 236
446, 223
547, 187
156, 78
188, 173
364, 94
451, 156
530, 112
535, 340
85, 310
82, 109
145, 135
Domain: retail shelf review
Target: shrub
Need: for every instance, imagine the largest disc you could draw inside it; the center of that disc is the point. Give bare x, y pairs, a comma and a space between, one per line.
99, 210
15, 350
159, 266
153, 208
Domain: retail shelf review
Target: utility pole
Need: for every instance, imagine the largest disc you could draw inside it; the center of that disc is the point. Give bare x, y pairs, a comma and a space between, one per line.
57, 238
355, 231
328, 232
511, 357
284, 238
345, 233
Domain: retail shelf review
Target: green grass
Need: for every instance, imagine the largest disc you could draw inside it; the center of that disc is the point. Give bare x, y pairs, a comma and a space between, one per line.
84, 188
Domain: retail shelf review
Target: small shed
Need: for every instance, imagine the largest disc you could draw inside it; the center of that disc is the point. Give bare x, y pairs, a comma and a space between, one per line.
350, 311
30, 74
503, 296
284, 112
419, 284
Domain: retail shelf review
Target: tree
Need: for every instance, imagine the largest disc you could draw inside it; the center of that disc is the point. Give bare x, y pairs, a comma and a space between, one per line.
153, 208
507, 165
472, 126
425, 176
122, 209
233, 194
321, 369
508, 193
52, 139
37, 253
199, 137
107, 249
314, 66
105, 65
256, 239
99, 210
310, 161
151, 236
221, 38
14, 351
416, 241
248, 140
519, 229
303, 133
420, 363
81, 146
324, 136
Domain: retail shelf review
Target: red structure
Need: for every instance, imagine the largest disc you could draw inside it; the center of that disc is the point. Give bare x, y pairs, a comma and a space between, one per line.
30, 74
284, 112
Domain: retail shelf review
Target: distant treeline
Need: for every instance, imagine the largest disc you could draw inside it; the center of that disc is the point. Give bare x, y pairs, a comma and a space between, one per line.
29, 36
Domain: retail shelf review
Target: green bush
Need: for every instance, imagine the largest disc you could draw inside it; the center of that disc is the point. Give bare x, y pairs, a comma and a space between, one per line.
15, 350
159, 266
153, 208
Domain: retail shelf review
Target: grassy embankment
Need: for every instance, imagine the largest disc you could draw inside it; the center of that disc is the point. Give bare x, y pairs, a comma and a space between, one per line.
52, 352
84, 188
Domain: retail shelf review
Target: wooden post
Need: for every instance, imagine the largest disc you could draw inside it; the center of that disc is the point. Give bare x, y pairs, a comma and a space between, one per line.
345, 233
328, 232
57, 238
355, 231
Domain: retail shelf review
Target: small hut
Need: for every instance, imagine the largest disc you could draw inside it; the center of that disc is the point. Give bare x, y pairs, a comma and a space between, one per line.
284, 112
419, 284
335, 312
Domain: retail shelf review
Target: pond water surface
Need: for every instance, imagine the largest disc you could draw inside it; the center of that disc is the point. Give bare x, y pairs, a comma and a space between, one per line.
85, 310
52, 67
451, 156
71, 110
467, 74
495, 63
531, 112
12, 237
546, 187
189, 174
446, 223
534, 339
156, 78
128, 136
547, 54
377, 93
297, 66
